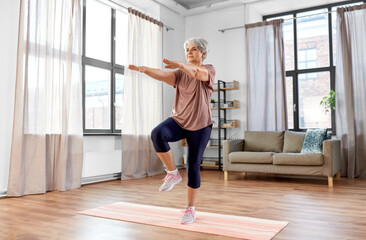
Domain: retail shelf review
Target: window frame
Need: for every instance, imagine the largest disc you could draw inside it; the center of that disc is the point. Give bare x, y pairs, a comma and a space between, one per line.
295, 72
112, 66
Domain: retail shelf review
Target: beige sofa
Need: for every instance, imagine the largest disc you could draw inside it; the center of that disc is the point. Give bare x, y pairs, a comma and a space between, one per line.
279, 153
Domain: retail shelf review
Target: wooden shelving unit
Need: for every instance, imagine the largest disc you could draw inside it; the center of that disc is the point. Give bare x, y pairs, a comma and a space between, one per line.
222, 87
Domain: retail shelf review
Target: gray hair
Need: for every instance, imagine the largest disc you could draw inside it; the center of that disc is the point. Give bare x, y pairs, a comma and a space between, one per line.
201, 43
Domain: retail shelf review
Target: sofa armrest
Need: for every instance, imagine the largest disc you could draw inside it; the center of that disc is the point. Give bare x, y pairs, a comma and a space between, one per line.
332, 156
231, 146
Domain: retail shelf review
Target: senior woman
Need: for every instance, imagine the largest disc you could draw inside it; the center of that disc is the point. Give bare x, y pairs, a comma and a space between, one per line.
190, 117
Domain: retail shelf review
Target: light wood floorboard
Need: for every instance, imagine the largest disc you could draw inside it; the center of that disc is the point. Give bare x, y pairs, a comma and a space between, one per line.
313, 210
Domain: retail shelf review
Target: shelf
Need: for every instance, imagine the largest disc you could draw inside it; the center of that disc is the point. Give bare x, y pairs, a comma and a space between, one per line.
234, 87
183, 143
214, 146
206, 165
235, 124
236, 106
206, 162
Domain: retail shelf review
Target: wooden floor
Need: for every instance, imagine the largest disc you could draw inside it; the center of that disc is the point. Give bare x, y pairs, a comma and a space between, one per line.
313, 210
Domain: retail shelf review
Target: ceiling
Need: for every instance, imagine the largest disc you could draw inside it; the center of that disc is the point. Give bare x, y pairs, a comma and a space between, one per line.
189, 4
191, 7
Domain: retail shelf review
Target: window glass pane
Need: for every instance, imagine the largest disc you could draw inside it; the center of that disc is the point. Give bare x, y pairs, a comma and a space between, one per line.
311, 54
288, 38
334, 27
301, 56
302, 65
98, 31
311, 92
119, 78
311, 64
307, 58
312, 33
121, 38
290, 102
97, 98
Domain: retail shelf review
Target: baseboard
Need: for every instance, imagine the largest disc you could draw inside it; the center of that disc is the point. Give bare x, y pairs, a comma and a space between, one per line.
88, 180
3, 192
100, 178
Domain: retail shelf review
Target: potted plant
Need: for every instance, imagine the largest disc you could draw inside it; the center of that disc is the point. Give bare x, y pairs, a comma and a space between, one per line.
212, 103
328, 102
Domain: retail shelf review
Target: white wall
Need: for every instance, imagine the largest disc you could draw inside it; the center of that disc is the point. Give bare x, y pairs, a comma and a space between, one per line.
9, 18
172, 49
102, 155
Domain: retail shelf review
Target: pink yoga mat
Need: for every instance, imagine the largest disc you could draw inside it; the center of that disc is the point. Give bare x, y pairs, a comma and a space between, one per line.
212, 223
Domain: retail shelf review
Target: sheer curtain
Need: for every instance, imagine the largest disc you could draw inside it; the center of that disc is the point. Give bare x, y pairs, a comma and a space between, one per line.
47, 143
266, 93
351, 89
142, 103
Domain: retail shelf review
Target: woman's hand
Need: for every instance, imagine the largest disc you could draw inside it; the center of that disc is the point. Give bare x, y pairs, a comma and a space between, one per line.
140, 69
172, 64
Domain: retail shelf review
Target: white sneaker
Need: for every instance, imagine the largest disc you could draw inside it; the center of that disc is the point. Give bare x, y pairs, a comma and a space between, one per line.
169, 181
189, 215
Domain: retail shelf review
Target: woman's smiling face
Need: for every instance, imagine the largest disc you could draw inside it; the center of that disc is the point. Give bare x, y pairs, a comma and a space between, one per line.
193, 53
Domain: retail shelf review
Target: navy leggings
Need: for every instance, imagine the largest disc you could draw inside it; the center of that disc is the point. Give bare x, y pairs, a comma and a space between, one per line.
170, 131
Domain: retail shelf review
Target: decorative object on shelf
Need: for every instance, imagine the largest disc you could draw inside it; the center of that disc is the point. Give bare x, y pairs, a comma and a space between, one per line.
212, 103
328, 102
234, 85
227, 123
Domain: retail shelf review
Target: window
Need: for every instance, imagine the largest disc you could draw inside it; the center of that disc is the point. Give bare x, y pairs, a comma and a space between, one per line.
104, 59
309, 40
307, 58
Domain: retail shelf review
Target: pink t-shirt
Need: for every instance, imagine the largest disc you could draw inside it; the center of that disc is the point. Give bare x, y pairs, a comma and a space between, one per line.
192, 108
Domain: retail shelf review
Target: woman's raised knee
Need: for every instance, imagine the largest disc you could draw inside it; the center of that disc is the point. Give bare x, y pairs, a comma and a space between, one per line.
156, 134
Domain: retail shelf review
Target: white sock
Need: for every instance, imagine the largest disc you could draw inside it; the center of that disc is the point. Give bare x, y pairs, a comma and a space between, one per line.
191, 207
175, 172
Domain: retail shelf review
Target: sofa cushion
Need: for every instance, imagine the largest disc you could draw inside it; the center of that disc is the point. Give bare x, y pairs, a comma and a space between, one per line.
301, 159
250, 157
293, 142
313, 141
263, 141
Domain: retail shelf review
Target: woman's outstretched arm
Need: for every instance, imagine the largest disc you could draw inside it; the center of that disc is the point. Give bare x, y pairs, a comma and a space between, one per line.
167, 77
199, 73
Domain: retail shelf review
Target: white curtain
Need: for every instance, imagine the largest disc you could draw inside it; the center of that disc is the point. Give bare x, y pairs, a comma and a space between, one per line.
266, 93
351, 89
47, 143
142, 103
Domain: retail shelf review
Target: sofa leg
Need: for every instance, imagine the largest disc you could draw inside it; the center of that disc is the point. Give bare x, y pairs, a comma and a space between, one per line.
226, 175
338, 175
330, 182
244, 174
